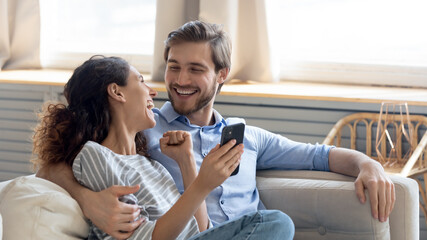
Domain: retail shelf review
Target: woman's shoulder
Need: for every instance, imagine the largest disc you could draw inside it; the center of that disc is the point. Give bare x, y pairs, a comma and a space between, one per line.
92, 147
92, 150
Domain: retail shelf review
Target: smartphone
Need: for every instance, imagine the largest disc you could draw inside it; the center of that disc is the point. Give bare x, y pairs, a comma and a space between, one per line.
234, 131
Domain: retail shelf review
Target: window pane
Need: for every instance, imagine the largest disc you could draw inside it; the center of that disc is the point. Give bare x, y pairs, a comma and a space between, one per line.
72, 28
372, 32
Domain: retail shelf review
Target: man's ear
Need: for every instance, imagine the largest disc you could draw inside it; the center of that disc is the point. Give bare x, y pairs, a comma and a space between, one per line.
222, 75
115, 92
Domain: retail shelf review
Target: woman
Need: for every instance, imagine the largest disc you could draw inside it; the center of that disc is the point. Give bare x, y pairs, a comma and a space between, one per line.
99, 135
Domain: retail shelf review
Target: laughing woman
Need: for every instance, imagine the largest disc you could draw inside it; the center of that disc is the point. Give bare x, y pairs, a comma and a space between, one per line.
98, 134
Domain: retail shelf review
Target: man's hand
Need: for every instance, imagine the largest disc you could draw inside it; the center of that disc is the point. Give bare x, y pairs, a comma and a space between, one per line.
103, 208
109, 214
380, 188
370, 175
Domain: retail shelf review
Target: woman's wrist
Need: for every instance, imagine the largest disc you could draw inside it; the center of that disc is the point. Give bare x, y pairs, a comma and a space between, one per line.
188, 171
188, 165
201, 187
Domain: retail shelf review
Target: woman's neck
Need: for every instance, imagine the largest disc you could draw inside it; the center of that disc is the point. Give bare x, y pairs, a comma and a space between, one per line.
120, 140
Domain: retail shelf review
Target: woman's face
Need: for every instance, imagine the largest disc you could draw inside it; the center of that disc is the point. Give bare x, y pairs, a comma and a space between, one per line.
139, 101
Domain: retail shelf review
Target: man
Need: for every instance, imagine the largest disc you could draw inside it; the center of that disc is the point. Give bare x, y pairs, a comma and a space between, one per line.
198, 62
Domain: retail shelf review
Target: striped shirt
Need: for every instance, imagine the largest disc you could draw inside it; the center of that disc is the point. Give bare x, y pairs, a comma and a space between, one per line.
98, 168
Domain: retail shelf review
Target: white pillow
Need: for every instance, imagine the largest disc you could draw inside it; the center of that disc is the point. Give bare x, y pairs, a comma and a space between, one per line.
35, 208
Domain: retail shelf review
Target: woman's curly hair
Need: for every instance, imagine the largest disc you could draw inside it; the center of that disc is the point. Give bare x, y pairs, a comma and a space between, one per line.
64, 129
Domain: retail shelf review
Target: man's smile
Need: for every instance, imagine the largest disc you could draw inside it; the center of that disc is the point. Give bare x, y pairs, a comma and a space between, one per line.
185, 91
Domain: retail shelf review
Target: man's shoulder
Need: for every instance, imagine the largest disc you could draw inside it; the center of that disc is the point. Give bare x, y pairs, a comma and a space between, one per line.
235, 120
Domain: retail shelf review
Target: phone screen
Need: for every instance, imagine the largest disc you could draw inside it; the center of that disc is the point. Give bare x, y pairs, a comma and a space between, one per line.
235, 131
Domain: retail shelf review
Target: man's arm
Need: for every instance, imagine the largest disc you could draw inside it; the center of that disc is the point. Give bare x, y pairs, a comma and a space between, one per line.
370, 175
102, 208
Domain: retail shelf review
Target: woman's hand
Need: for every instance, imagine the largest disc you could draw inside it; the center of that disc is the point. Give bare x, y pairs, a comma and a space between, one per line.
177, 145
218, 165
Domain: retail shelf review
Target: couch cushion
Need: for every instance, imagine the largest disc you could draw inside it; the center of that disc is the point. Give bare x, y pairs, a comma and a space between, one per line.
35, 207
322, 209
301, 188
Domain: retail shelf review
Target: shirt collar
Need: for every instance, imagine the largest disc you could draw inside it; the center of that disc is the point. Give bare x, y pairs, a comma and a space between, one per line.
168, 112
170, 115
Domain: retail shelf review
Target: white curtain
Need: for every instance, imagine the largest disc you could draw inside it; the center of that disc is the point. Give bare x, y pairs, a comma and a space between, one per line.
244, 20
19, 34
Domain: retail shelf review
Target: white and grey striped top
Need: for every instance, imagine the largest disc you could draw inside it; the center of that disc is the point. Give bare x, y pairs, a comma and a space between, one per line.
98, 168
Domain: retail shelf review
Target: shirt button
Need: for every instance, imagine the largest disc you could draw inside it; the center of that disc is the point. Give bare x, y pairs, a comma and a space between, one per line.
222, 201
204, 154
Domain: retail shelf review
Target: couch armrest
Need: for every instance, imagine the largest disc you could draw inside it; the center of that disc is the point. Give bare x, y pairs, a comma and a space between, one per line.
323, 205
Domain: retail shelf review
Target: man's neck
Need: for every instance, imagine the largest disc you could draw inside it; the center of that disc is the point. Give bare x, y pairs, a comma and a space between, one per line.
202, 118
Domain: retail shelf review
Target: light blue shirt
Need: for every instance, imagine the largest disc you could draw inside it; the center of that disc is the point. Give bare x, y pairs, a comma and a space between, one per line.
263, 150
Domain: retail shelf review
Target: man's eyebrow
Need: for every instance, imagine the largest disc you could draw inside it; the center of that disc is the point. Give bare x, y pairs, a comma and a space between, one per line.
171, 60
198, 65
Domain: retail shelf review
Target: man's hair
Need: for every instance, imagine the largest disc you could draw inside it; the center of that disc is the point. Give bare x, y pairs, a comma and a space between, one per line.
198, 31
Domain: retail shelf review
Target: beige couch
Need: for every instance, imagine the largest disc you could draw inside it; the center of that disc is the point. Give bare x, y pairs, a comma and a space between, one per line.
323, 206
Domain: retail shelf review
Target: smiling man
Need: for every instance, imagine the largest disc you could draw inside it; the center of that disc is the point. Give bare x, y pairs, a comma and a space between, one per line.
198, 58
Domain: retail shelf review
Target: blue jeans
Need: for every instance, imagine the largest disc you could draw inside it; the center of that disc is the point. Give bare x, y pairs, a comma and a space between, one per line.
264, 224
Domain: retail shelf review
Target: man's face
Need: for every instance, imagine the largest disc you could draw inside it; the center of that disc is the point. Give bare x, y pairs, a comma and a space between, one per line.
190, 77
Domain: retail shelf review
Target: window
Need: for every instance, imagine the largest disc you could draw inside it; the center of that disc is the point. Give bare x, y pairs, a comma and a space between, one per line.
352, 41
74, 30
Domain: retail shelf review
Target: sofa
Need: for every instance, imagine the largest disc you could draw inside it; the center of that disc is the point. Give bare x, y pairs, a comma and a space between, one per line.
323, 205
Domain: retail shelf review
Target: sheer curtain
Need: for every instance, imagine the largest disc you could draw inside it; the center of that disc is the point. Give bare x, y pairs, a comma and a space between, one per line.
244, 20
19, 34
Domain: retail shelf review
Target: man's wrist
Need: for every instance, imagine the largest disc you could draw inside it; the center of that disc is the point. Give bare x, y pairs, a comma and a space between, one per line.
370, 164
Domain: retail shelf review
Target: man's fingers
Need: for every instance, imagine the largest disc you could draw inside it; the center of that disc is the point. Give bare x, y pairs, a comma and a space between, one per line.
373, 197
360, 191
129, 214
393, 198
118, 191
123, 190
390, 199
382, 201
131, 226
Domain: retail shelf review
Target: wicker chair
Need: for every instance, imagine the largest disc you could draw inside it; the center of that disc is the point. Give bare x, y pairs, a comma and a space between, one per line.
406, 156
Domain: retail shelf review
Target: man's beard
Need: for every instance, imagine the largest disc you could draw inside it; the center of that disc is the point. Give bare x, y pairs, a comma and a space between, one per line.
202, 102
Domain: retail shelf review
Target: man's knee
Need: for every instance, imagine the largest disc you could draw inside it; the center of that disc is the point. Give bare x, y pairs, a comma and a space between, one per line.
280, 221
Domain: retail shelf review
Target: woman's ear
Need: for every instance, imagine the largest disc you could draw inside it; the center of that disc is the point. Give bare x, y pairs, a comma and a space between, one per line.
222, 75
115, 92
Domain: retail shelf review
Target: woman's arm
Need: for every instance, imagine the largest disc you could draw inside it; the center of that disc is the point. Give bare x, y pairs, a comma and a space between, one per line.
216, 168
102, 208
179, 146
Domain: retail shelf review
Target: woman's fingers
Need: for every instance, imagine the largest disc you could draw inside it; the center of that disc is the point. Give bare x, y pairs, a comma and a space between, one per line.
176, 137
232, 155
219, 151
226, 160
